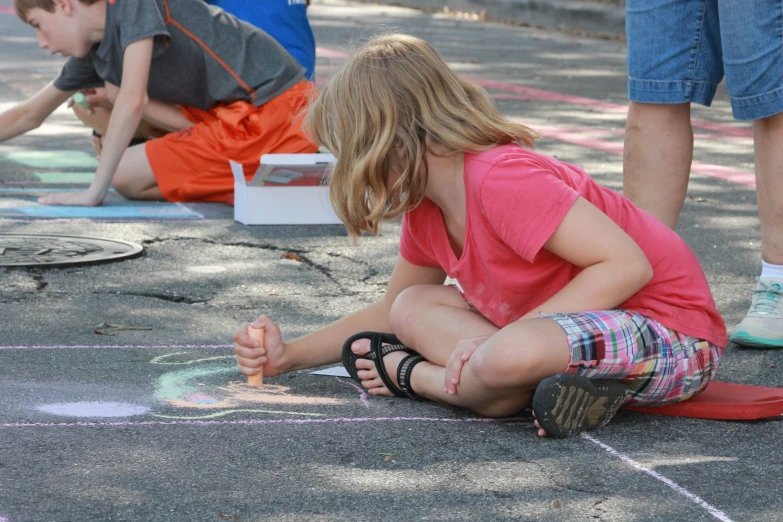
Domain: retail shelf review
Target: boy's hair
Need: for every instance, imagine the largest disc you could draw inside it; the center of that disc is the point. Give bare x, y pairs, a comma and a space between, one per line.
389, 103
23, 6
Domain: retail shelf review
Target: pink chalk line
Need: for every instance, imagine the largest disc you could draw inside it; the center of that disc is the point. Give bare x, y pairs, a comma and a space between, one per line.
542, 95
712, 510
329, 53
362, 393
251, 422
716, 171
7, 10
528, 93
120, 347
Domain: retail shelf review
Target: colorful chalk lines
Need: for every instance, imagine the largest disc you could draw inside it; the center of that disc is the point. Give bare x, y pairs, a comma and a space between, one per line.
52, 171
154, 385
173, 385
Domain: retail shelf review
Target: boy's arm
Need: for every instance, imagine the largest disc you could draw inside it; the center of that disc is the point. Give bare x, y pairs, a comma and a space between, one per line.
125, 118
165, 116
30, 114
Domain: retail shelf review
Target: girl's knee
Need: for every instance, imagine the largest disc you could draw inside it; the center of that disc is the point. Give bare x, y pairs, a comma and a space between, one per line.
494, 372
501, 364
407, 310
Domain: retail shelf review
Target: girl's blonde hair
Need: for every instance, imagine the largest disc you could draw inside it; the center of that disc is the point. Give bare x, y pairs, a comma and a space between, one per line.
389, 103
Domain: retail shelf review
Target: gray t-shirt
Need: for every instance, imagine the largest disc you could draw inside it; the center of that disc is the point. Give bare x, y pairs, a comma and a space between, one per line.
202, 56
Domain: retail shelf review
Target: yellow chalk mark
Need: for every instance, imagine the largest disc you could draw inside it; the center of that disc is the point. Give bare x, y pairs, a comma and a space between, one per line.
161, 358
229, 412
239, 391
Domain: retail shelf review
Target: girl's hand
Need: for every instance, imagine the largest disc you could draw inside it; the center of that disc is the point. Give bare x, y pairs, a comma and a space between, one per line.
459, 357
251, 357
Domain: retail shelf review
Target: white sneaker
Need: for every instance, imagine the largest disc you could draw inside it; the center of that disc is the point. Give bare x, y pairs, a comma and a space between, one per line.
763, 326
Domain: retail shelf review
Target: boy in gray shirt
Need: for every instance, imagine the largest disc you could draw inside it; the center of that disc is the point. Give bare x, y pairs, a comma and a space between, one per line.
224, 88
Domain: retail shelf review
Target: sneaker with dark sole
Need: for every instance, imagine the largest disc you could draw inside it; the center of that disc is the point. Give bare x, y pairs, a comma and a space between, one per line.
566, 405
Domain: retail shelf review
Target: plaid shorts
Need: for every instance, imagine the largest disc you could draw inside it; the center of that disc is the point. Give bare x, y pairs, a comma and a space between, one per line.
659, 365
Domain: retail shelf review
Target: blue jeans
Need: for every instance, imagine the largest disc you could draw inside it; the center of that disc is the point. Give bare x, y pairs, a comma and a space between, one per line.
679, 50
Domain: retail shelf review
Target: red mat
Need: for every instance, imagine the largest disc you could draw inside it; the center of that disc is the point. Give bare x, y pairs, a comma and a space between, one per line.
725, 401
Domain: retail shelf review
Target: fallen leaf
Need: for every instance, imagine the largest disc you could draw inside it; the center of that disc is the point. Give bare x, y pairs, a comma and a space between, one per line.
557, 503
292, 256
773, 365
387, 459
111, 329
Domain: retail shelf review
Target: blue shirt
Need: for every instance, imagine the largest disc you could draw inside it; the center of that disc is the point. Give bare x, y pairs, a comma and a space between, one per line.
284, 20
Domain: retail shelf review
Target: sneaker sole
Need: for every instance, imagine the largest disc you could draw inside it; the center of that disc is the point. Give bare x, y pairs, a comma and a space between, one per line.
744, 338
566, 405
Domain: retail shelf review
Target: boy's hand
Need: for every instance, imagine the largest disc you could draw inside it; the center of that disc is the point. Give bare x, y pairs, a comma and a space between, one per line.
83, 198
250, 357
459, 357
97, 98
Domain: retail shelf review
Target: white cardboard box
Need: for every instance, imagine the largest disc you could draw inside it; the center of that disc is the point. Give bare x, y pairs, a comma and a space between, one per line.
287, 189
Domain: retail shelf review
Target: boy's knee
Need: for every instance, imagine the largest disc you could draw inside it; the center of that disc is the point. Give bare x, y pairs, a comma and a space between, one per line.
127, 186
123, 188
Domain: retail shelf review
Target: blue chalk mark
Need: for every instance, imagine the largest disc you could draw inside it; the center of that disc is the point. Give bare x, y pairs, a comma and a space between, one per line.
121, 209
35, 190
163, 211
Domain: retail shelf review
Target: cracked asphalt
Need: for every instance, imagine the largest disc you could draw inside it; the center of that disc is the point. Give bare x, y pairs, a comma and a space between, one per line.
148, 419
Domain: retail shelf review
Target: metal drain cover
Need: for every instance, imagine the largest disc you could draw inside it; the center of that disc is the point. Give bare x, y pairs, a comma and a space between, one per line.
51, 250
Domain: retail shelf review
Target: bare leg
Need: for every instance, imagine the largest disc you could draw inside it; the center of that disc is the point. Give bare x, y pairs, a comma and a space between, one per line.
99, 121
134, 178
762, 326
767, 139
657, 158
500, 377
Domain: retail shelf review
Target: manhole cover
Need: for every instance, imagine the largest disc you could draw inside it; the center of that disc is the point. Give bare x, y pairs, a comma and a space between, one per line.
49, 250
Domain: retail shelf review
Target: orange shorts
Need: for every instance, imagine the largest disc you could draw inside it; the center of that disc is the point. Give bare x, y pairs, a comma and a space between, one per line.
192, 164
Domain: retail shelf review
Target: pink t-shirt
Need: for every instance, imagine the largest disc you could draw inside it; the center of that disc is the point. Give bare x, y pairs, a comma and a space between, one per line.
515, 201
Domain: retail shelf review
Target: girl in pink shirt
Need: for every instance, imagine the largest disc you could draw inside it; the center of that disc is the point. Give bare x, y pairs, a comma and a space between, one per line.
567, 296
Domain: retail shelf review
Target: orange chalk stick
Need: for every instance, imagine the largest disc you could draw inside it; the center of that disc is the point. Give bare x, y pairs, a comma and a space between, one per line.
258, 334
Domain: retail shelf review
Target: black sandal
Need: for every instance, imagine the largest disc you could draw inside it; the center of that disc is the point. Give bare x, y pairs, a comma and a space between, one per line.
566, 404
382, 344
133, 141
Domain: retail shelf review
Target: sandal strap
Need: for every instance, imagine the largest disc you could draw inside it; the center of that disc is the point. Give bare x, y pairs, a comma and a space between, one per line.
379, 350
404, 371
350, 358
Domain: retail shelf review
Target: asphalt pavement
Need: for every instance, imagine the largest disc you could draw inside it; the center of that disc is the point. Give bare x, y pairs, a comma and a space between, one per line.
149, 420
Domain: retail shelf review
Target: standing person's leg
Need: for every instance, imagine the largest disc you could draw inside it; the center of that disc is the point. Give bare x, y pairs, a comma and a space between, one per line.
657, 157
768, 146
673, 60
754, 78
